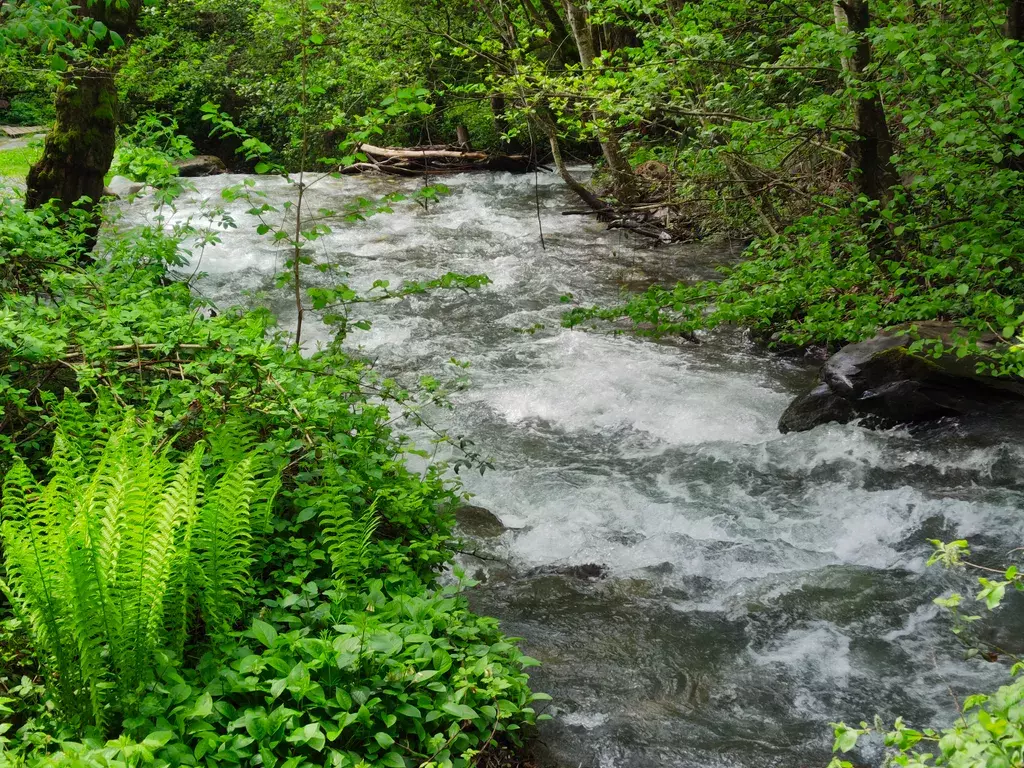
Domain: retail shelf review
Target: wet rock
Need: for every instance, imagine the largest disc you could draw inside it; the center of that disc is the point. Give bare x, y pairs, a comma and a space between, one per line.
478, 522
584, 572
121, 187
886, 385
203, 165
819, 406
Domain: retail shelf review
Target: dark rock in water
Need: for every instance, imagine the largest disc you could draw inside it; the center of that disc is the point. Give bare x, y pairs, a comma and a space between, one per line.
203, 165
819, 406
584, 572
478, 522
886, 385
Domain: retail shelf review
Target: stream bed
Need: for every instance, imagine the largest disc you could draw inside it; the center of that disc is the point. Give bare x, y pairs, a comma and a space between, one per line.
754, 586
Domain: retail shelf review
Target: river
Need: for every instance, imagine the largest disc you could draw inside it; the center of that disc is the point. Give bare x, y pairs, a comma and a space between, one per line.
756, 586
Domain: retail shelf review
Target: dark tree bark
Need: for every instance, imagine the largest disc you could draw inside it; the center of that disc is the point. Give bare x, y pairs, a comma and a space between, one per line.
1014, 28
499, 108
560, 33
80, 146
872, 150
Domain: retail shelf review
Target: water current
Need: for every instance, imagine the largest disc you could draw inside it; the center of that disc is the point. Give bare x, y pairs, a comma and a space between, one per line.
756, 586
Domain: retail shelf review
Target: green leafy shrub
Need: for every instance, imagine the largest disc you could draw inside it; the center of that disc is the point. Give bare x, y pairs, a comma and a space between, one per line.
349, 525
147, 151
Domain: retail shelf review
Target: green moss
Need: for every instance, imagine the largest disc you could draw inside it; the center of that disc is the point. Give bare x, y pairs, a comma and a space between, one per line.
14, 163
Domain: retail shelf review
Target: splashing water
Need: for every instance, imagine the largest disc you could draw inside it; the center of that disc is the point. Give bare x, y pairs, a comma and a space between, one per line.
758, 586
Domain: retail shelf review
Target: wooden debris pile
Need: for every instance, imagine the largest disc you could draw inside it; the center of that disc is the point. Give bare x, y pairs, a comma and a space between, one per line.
435, 160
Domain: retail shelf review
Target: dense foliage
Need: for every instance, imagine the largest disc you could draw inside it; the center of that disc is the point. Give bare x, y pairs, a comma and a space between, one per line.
872, 152
169, 604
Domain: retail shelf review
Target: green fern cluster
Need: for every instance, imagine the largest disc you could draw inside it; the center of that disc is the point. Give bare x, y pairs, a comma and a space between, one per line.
112, 560
346, 533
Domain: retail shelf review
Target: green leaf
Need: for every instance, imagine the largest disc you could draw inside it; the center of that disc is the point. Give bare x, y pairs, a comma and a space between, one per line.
408, 710
383, 739
158, 739
202, 708
393, 760
57, 63
263, 632
460, 711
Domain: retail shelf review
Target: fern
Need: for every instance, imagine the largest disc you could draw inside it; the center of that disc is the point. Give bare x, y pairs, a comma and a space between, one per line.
347, 537
223, 540
105, 560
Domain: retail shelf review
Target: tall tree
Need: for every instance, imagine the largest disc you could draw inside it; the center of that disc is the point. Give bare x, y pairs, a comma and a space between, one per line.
872, 148
80, 146
623, 179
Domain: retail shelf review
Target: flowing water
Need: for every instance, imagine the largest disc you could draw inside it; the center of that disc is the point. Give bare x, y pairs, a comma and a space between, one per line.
756, 586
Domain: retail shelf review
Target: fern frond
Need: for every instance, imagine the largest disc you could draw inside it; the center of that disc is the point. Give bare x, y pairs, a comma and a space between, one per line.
223, 544
105, 559
348, 538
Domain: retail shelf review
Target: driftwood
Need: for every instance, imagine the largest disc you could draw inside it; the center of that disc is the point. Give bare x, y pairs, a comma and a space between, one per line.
436, 160
440, 159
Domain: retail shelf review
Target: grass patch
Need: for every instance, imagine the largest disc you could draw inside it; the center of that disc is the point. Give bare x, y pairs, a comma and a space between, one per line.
14, 163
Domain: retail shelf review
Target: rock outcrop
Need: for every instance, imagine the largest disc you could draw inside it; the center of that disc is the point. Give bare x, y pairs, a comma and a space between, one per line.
883, 383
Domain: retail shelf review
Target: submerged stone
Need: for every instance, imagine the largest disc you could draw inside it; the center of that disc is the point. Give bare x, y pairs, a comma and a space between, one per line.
885, 384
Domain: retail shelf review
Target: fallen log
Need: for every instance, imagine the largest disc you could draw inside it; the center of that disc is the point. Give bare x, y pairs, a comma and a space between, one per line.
436, 160
423, 153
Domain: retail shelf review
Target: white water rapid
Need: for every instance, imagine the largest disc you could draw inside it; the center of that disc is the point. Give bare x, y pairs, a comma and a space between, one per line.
758, 586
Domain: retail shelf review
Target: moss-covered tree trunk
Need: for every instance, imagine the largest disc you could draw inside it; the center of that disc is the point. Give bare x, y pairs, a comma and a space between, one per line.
80, 145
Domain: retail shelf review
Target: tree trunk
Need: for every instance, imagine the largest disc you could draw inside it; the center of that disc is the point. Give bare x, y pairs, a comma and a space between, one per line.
1015, 20
499, 108
80, 145
560, 35
547, 123
623, 180
872, 149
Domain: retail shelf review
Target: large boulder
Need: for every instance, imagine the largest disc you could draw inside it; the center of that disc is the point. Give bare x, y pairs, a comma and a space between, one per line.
203, 165
883, 383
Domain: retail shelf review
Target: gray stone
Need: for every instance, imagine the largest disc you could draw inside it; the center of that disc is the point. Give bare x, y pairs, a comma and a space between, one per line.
203, 165
122, 186
819, 406
478, 522
885, 384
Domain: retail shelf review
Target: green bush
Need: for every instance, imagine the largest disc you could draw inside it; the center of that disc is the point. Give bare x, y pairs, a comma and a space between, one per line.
349, 553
